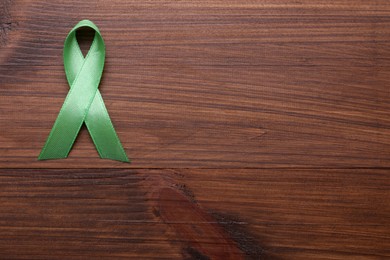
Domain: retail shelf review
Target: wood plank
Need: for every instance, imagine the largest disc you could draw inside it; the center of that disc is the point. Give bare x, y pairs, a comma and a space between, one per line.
207, 83
77, 214
258, 130
299, 214
194, 214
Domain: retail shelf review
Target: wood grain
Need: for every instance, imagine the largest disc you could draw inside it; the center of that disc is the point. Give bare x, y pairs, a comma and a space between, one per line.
209, 83
194, 214
257, 130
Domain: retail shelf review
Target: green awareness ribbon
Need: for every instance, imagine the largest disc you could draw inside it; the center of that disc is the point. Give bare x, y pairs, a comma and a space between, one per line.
83, 103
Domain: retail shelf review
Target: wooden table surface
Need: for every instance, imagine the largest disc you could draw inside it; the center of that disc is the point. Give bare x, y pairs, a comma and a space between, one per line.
257, 129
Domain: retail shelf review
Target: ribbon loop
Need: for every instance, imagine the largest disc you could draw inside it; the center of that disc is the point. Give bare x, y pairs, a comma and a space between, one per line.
83, 103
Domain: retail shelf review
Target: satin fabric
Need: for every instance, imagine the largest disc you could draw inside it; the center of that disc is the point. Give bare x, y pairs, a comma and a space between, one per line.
83, 103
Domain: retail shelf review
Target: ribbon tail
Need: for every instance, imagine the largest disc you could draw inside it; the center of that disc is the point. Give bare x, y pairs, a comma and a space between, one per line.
73, 113
102, 131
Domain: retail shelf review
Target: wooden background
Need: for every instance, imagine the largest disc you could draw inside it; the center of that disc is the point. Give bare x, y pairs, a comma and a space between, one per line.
257, 129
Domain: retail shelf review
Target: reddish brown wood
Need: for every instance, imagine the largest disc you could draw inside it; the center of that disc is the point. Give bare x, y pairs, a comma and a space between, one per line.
257, 130
181, 214
200, 235
299, 214
205, 238
208, 83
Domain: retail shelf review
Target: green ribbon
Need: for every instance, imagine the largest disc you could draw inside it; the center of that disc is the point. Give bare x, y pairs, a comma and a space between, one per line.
83, 102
